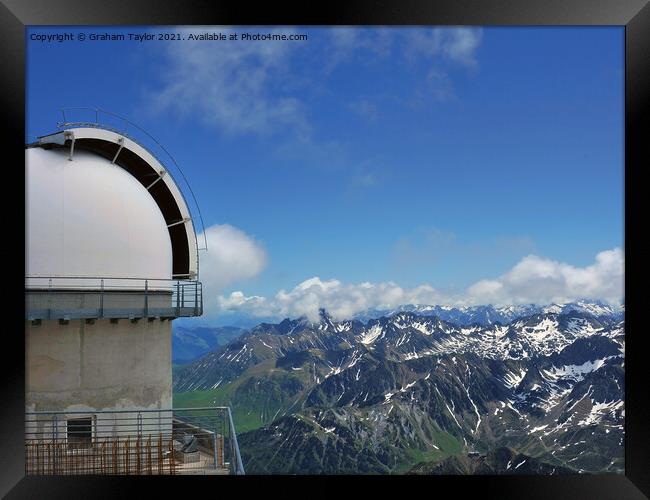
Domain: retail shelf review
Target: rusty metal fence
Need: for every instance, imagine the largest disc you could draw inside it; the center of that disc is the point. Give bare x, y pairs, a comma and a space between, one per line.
107, 456
125, 442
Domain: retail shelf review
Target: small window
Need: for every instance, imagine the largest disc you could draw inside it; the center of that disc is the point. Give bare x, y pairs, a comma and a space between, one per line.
80, 433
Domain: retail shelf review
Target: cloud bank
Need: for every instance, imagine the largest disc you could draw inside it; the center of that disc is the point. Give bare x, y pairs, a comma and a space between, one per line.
534, 279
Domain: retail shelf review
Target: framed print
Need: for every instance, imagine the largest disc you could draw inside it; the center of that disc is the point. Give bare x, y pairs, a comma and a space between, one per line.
379, 243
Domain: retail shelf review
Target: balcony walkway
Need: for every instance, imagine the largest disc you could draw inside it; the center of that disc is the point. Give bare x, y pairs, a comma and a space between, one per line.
186, 441
81, 297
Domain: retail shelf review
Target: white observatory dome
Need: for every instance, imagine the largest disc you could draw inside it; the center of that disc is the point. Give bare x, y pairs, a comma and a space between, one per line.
89, 217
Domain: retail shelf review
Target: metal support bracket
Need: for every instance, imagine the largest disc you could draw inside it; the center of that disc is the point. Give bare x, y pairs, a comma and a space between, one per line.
186, 219
70, 135
161, 174
120, 141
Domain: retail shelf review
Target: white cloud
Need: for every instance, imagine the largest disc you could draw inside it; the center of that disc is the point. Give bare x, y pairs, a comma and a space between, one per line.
249, 87
234, 85
457, 44
232, 256
533, 280
348, 43
461, 45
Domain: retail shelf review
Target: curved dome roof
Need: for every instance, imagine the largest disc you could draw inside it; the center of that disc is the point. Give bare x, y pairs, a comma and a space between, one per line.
90, 217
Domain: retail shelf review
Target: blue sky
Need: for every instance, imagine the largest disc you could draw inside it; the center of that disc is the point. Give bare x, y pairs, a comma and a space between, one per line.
464, 160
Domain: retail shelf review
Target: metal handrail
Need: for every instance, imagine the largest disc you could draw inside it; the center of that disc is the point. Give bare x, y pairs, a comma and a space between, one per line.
240, 466
138, 410
185, 297
106, 282
98, 124
74, 277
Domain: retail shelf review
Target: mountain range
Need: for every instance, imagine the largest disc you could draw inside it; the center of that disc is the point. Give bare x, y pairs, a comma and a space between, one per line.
489, 314
430, 390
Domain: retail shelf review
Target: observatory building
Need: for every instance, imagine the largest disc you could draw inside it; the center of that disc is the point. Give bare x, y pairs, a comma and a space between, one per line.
111, 260
107, 234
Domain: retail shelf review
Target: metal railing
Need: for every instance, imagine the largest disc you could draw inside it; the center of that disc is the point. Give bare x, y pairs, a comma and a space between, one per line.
124, 442
78, 297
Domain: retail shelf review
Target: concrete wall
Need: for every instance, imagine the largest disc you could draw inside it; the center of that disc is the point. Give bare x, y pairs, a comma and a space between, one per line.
98, 366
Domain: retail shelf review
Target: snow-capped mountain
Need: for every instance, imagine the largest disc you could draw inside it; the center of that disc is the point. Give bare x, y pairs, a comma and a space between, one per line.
383, 394
488, 314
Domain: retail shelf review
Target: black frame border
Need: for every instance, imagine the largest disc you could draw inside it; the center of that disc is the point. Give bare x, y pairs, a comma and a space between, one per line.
15, 15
